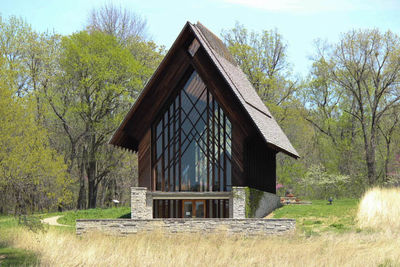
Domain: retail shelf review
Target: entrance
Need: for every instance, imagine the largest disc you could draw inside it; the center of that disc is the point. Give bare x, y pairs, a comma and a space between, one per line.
194, 208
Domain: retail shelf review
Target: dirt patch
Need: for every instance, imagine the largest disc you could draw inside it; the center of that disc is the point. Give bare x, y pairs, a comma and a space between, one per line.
53, 221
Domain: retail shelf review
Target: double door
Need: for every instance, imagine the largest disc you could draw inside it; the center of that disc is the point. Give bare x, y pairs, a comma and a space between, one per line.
194, 208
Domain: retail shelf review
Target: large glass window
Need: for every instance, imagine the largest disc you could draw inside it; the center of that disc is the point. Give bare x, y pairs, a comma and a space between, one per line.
192, 142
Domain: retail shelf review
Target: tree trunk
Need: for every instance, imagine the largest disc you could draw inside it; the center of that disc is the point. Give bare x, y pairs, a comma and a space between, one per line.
370, 158
92, 194
82, 190
82, 194
92, 185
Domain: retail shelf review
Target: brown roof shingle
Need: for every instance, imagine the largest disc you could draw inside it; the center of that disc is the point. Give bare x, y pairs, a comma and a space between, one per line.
244, 90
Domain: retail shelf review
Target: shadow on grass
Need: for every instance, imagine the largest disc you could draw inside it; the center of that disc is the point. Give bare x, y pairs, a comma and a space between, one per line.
125, 216
16, 257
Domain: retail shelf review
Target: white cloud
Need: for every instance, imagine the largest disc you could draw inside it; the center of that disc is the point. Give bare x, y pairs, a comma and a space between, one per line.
312, 6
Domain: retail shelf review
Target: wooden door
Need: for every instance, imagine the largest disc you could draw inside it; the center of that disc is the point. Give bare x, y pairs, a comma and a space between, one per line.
194, 208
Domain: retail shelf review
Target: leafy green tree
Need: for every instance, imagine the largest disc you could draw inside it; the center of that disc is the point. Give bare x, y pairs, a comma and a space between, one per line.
355, 85
32, 175
318, 183
97, 80
130, 31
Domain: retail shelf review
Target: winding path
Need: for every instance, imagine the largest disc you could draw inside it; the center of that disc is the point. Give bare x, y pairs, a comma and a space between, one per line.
53, 221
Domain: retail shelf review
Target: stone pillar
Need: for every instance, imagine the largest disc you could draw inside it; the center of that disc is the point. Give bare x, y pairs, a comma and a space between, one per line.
141, 203
237, 207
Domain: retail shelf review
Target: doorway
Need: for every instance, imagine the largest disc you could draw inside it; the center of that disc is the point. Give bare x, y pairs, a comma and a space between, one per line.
194, 208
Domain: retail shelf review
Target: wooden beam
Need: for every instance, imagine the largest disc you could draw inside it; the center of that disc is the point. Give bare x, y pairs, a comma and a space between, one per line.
190, 195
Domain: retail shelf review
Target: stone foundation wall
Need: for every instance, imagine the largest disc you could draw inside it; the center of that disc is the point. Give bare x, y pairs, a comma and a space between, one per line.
268, 203
231, 226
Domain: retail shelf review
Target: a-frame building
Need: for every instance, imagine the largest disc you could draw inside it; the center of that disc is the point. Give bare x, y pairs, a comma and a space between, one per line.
200, 129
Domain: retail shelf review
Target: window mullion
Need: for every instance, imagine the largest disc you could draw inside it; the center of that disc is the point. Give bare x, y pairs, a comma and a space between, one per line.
224, 153
180, 142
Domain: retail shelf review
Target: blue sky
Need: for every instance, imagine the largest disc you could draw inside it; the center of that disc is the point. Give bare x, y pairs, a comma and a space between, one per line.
299, 21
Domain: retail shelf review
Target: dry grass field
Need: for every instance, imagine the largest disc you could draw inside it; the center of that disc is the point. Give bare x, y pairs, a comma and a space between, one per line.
380, 209
361, 243
350, 249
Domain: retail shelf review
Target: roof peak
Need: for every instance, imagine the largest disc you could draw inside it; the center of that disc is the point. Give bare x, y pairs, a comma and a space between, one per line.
215, 43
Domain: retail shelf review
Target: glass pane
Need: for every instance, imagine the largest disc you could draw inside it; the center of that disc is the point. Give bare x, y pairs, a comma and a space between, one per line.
159, 128
185, 103
159, 147
158, 176
171, 179
188, 182
166, 179
200, 209
201, 169
186, 127
193, 126
216, 180
166, 120
228, 175
187, 209
202, 102
177, 176
171, 130
194, 115
228, 128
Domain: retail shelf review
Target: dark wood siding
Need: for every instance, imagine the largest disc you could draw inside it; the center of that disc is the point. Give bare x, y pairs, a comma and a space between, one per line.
253, 162
144, 161
260, 165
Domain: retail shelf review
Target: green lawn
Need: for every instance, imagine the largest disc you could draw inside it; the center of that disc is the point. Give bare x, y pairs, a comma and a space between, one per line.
111, 213
16, 257
321, 217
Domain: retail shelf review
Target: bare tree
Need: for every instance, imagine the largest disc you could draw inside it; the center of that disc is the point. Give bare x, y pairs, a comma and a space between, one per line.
262, 57
363, 71
117, 21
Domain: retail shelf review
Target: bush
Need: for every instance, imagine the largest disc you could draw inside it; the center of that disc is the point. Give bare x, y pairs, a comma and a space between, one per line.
320, 184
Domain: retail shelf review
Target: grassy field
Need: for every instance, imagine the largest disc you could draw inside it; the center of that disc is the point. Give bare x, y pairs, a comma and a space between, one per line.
327, 235
320, 217
11, 256
112, 213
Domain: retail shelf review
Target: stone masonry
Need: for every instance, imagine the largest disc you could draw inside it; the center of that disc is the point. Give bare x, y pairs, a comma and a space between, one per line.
268, 203
142, 220
238, 203
141, 203
248, 227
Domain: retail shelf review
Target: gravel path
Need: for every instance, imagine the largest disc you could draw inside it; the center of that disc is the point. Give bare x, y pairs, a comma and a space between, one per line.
53, 221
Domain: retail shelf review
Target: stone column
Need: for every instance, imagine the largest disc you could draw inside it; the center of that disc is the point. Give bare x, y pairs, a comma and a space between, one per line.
237, 207
141, 203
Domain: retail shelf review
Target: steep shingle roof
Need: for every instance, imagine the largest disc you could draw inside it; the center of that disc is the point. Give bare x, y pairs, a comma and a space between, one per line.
244, 90
237, 81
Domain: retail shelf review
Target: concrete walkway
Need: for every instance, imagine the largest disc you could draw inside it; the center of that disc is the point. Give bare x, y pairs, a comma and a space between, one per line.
53, 221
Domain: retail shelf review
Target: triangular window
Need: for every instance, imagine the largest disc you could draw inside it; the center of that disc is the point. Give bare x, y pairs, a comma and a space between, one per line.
192, 142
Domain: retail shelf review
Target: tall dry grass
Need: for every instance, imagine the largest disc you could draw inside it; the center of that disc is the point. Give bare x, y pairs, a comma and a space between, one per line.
155, 249
380, 209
